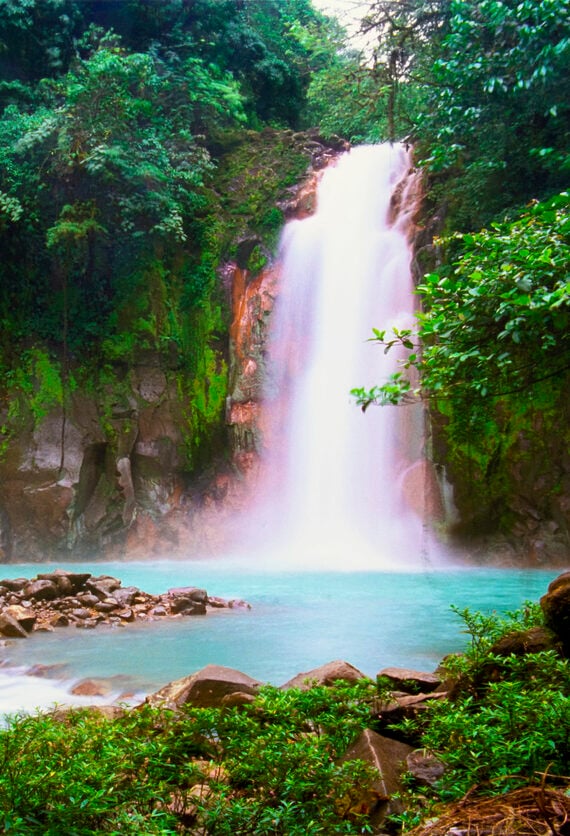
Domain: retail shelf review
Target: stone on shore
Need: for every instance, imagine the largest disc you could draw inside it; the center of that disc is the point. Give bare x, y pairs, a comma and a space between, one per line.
205, 688
325, 675
410, 681
388, 757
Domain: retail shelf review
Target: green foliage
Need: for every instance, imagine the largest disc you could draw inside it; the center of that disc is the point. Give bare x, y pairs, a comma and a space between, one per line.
271, 768
514, 726
496, 315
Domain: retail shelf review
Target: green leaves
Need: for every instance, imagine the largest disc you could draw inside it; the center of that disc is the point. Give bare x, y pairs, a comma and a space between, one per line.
268, 769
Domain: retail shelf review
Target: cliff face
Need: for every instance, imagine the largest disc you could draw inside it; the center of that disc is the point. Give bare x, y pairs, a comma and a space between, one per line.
149, 453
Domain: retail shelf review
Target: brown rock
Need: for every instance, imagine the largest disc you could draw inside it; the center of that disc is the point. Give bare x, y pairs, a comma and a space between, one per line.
14, 584
205, 688
556, 608
389, 758
25, 616
90, 688
216, 602
194, 593
410, 681
126, 615
11, 628
41, 590
425, 767
325, 675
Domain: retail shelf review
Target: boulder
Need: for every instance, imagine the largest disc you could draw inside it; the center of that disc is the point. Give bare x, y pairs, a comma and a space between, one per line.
388, 756
41, 590
10, 628
186, 606
424, 767
205, 688
556, 608
325, 675
125, 595
193, 593
14, 584
521, 642
91, 688
25, 616
102, 586
410, 681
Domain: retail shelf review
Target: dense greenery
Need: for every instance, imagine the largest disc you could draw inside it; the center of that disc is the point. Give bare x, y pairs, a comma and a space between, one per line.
271, 768
275, 766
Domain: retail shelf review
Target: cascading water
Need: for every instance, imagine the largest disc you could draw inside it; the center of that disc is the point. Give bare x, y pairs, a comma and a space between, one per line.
333, 486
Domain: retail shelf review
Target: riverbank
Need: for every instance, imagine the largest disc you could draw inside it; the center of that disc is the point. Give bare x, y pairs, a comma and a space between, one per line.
219, 752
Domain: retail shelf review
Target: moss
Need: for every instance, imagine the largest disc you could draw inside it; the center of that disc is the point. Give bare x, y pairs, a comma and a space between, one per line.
255, 171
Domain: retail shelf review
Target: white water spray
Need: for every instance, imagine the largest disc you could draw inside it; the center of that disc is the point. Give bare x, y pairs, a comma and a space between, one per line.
332, 484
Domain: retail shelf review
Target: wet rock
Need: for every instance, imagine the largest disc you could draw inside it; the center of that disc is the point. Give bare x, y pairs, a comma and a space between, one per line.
205, 688
217, 603
11, 628
56, 671
86, 624
186, 606
410, 681
91, 688
41, 590
159, 611
14, 584
238, 604
102, 586
88, 599
126, 615
25, 617
125, 595
193, 593
81, 613
325, 675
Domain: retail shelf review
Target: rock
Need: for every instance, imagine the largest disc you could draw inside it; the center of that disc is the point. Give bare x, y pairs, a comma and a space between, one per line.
125, 595
41, 590
521, 642
14, 584
425, 768
102, 586
325, 675
159, 611
389, 758
126, 615
217, 603
88, 599
106, 606
410, 681
193, 593
556, 608
25, 617
80, 612
90, 688
86, 624
186, 606
205, 688
56, 671
237, 698
11, 628
405, 707
238, 604
58, 619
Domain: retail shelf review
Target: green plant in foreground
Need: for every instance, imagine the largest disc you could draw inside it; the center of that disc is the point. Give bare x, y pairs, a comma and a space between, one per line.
509, 718
269, 768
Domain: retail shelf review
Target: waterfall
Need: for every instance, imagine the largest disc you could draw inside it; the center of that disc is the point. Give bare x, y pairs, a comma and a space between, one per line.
333, 489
